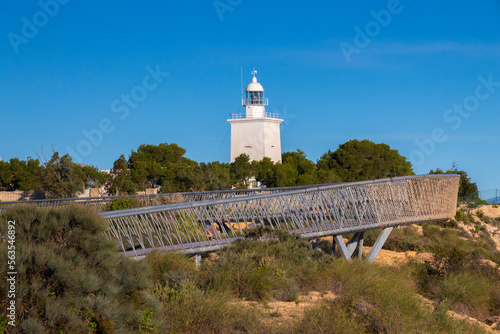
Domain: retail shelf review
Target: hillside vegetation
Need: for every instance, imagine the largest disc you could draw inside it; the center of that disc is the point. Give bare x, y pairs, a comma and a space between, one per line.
166, 168
72, 280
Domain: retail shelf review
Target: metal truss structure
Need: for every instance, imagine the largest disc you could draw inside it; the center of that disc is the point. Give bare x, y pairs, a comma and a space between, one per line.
149, 200
208, 224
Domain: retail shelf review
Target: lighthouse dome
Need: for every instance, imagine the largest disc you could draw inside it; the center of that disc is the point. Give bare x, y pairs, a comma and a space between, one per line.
254, 86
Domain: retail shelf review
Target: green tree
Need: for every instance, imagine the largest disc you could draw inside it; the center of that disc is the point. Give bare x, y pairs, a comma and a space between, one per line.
119, 181
146, 174
265, 171
241, 170
363, 160
325, 176
304, 169
467, 189
94, 178
62, 178
213, 176
163, 166
285, 176
20, 175
186, 177
5, 176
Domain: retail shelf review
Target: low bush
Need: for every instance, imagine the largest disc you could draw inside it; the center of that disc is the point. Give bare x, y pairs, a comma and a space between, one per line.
487, 220
189, 305
189, 309
120, 204
461, 280
450, 223
402, 239
327, 317
442, 241
375, 299
279, 267
70, 278
466, 218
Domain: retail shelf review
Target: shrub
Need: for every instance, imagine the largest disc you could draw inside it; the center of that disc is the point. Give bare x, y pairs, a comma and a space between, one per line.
278, 267
120, 204
328, 317
462, 281
374, 299
171, 269
487, 220
402, 239
478, 227
326, 246
188, 306
472, 205
70, 278
451, 223
465, 218
480, 213
189, 309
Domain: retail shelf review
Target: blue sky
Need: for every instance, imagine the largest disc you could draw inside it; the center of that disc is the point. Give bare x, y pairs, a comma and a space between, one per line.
424, 77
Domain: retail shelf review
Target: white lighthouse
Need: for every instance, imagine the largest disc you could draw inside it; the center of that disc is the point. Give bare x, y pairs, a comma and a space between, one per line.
256, 132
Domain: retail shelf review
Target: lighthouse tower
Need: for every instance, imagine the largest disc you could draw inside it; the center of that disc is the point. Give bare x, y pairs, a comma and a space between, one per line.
256, 132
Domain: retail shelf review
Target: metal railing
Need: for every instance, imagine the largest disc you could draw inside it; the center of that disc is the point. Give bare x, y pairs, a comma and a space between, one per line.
149, 200
313, 211
244, 115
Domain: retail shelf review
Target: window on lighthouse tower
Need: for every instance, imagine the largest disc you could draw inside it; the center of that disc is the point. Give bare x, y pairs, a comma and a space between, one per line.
256, 97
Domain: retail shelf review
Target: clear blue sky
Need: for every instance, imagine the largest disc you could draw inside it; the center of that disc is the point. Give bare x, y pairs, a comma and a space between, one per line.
67, 71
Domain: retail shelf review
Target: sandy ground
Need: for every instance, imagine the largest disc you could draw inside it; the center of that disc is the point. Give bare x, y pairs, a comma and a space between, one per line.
493, 230
490, 211
488, 327
391, 258
285, 312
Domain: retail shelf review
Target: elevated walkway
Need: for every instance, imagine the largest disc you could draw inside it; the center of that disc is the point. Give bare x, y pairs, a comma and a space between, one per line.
214, 221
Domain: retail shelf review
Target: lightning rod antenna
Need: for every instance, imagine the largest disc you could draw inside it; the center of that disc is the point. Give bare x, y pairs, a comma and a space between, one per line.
241, 83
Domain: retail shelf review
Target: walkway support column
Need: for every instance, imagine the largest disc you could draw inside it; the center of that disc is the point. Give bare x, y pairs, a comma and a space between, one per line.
344, 252
356, 242
382, 238
360, 248
197, 261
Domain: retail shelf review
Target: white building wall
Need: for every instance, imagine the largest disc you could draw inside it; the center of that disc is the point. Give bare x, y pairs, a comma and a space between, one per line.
257, 137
